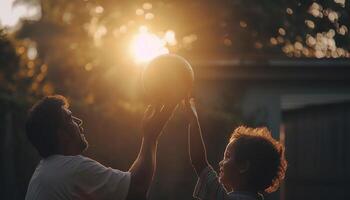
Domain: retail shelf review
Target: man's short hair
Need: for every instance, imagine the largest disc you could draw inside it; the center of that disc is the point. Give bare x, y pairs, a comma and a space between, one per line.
43, 121
266, 157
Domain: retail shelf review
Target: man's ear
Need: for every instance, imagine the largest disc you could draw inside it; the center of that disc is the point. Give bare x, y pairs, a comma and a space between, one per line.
244, 167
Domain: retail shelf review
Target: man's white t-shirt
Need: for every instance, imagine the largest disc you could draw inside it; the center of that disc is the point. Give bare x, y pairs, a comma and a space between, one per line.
60, 177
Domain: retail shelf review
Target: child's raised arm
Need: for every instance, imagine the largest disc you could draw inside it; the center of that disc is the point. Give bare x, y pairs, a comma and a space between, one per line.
196, 144
208, 186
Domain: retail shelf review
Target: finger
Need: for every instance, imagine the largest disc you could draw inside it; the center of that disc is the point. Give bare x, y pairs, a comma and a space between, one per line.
157, 107
166, 112
167, 109
148, 112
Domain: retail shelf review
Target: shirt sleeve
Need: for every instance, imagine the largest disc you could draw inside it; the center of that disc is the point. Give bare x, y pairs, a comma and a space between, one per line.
95, 181
208, 186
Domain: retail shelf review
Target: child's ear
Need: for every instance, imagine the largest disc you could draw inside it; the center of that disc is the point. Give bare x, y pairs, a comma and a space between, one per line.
244, 167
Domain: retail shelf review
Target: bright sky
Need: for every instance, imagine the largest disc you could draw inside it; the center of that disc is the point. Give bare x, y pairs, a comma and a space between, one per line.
10, 16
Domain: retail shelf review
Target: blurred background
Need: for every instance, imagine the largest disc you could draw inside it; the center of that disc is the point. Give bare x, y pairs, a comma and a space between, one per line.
281, 64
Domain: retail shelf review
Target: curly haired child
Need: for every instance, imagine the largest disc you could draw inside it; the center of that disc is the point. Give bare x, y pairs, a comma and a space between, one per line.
253, 163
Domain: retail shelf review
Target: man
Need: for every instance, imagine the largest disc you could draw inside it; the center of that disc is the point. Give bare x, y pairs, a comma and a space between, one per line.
64, 174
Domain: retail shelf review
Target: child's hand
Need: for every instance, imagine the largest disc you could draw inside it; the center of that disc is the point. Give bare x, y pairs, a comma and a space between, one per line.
190, 109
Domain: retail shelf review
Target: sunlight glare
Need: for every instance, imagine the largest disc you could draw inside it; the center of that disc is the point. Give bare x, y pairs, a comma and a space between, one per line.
146, 46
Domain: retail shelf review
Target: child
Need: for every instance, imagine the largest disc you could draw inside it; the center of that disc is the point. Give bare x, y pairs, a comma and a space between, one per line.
253, 163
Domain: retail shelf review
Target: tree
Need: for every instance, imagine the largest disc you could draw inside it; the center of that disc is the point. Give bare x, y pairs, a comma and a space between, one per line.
21, 82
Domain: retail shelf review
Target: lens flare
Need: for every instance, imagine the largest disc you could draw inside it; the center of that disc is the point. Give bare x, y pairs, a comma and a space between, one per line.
145, 46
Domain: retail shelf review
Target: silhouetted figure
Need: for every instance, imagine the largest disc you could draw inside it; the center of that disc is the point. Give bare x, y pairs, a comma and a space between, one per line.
65, 174
253, 163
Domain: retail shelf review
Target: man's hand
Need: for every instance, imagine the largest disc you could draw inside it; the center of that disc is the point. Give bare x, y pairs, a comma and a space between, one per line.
154, 120
143, 169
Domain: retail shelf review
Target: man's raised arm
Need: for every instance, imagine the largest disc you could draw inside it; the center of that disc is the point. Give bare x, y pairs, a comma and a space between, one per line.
143, 168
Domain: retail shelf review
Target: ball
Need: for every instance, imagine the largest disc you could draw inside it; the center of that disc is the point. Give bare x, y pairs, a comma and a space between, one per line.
167, 79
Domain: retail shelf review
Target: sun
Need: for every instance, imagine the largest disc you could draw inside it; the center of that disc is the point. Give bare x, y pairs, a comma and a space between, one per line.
145, 46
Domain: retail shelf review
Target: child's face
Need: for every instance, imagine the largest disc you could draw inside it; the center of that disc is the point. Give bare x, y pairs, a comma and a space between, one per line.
230, 175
